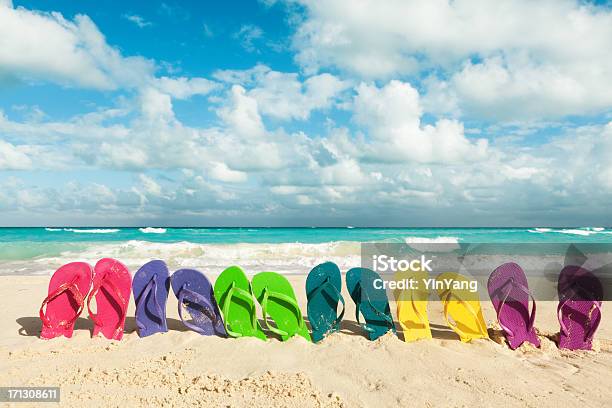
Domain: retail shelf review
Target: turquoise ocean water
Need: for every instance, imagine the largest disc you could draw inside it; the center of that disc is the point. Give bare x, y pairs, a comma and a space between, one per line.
40, 250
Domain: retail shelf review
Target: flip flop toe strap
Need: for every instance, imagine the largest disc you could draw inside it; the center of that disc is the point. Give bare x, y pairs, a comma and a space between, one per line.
446, 295
239, 293
335, 326
267, 295
413, 304
592, 329
188, 295
384, 316
71, 288
115, 293
151, 287
514, 284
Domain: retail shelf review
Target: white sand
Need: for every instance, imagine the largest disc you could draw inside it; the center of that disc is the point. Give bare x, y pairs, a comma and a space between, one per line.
182, 368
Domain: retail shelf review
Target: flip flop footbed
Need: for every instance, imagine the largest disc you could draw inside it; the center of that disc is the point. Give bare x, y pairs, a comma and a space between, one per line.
277, 299
509, 293
412, 306
371, 301
150, 287
580, 299
61, 311
461, 307
112, 286
233, 294
196, 297
323, 286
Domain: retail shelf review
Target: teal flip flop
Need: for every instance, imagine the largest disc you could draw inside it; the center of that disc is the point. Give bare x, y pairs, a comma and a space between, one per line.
323, 286
278, 302
372, 303
233, 294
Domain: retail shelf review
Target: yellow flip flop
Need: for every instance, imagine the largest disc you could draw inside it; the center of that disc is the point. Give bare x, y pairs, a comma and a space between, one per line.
412, 306
462, 305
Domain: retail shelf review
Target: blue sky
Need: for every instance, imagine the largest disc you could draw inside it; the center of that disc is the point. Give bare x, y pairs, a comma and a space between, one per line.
278, 113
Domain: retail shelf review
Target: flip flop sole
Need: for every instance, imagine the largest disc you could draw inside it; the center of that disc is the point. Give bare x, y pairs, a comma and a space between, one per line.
515, 312
146, 310
110, 315
197, 282
287, 318
579, 313
322, 307
240, 312
412, 306
64, 307
466, 312
360, 283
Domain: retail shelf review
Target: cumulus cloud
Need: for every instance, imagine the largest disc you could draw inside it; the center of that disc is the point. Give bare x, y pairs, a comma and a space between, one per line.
286, 96
13, 157
392, 115
184, 88
220, 171
379, 156
74, 52
527, 58
242, 114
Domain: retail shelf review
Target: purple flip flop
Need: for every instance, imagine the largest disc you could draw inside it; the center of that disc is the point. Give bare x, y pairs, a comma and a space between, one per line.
579, 311
195, 293
150, 286
509, 293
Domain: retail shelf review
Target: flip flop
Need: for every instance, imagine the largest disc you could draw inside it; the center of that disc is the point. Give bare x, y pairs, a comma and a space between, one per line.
195, 293
112, 286
150, 286
278, 302
234, 295
579, 311
509, 293
65, 300
463, 307
412, 306
323, 286
371, 303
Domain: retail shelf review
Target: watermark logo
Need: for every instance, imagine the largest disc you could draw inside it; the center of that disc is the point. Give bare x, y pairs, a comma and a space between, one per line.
385, 263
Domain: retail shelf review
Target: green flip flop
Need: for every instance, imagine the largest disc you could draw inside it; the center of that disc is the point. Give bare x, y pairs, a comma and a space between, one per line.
278, 302
235, 298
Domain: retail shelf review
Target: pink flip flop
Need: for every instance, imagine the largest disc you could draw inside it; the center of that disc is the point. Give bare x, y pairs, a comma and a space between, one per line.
65, 300
112, 287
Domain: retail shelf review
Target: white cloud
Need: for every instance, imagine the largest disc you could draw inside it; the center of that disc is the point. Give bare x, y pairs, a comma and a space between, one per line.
156, 106
242, 114
13, 157
497, 89
284, 96
184, 88
138, 20
248, 35
220, 171
392, 115
526, 58
150, 186
74, 52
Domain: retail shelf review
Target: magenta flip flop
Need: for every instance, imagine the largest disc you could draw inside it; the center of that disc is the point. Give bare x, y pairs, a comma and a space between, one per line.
65, 300
579, 311
509, 293
112, 285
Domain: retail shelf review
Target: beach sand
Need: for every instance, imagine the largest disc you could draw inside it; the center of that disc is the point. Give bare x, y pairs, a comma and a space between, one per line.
182, 368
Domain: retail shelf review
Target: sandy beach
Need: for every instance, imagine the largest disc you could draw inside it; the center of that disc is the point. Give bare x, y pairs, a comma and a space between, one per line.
182, 368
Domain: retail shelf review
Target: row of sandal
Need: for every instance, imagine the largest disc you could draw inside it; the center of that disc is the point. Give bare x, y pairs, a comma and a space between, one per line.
229, 307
